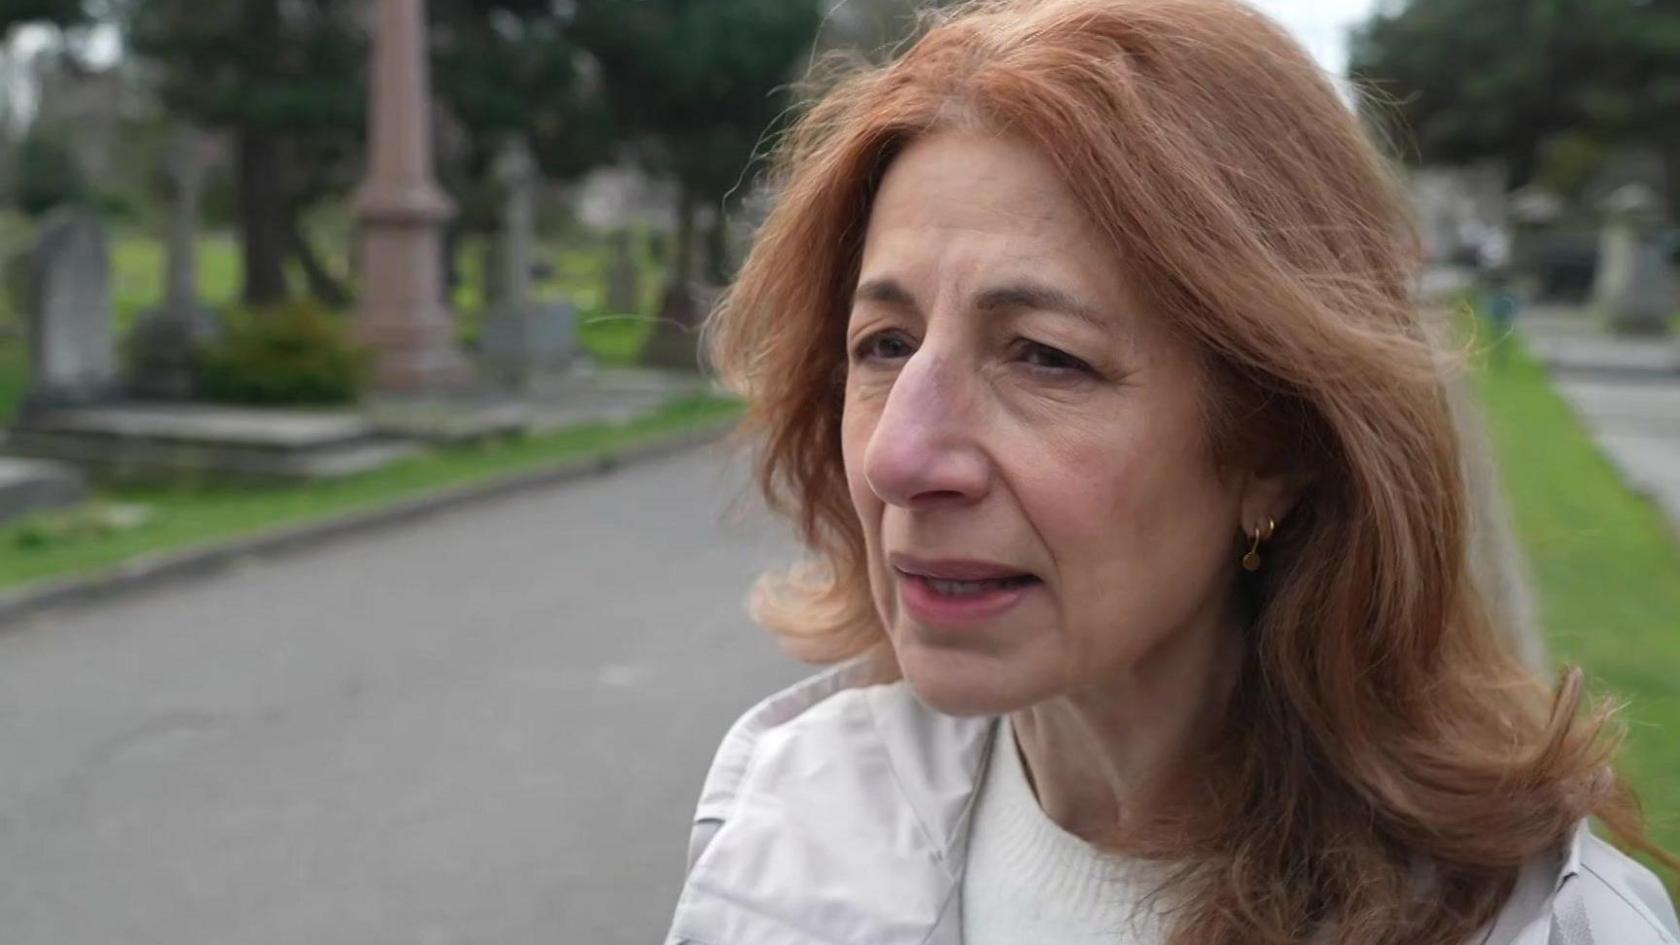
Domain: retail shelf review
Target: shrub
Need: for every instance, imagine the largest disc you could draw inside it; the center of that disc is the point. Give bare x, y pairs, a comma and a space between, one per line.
297, 354
48, 172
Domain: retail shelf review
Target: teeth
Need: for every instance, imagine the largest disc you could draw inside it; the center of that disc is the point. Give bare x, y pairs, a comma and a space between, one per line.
966, 588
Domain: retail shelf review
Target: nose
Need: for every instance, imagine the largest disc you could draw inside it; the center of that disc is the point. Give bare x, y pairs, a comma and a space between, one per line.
924, 451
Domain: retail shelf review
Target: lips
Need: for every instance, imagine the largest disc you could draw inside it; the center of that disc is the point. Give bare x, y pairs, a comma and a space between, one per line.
959, 594
953, 569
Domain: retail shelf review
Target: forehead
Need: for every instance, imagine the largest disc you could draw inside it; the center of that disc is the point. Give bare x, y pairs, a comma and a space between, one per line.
961, 214
982, 184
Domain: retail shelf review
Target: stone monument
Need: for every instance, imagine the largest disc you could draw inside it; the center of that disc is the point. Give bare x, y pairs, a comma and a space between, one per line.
164, 342
401, 211
72, 342
624, 289
523, 340
1534, 213
1634, 292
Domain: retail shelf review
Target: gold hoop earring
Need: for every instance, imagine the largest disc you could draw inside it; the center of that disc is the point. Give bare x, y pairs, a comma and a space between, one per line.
1251, 561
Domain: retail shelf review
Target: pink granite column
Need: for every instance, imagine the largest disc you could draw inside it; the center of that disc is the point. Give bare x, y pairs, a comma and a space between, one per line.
402, 211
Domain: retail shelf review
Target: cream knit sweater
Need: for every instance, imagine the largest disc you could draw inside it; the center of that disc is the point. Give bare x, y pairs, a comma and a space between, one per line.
1029, 882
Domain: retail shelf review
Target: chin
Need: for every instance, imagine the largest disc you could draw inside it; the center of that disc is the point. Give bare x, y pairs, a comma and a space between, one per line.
964, 683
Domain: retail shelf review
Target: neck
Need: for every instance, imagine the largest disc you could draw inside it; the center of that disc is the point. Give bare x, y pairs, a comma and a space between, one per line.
1108, 761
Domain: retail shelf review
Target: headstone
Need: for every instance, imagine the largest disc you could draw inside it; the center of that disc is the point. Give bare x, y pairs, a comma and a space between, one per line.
624, 289
675, 343
522, 339
1535, 212
72, 343
165, 339
31, 485
1634, 292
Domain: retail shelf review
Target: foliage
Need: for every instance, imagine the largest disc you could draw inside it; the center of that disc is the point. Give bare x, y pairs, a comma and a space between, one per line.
1477, 79
507, 68
1605, 567
60, 13
287, 81
290, 80
295, 354
48, 172
697, 84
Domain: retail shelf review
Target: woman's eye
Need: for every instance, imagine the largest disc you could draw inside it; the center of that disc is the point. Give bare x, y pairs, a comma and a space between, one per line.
1046, 358
886, 345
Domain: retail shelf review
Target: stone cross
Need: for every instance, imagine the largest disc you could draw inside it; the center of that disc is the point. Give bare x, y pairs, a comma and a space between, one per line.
72, 341
401, 211
523, 340
162, 345
1634, 291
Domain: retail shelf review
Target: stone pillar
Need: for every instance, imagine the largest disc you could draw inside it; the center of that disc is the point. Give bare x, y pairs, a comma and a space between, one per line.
402, 210
517, 175
1634, 292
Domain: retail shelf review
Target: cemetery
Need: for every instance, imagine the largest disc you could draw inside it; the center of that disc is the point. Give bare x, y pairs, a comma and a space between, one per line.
462, 263
184, 395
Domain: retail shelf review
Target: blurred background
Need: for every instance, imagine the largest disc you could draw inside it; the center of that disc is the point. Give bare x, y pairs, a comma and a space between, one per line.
371, 567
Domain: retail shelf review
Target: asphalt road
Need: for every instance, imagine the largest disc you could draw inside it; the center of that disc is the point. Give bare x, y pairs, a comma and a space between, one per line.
489, 728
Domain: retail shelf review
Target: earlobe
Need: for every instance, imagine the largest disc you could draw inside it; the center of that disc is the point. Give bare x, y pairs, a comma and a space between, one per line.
1266, 498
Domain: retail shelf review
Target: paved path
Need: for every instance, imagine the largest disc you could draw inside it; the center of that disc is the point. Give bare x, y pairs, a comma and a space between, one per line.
1625, 390
487, 728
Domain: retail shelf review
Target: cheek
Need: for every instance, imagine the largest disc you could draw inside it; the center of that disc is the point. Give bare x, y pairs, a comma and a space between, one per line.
1139, 532
856, 426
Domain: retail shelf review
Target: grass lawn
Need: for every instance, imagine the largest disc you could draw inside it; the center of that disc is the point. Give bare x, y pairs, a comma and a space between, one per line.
183, 517
1607, 567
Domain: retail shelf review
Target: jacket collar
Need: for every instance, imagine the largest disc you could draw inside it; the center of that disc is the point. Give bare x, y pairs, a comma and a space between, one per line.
839, 812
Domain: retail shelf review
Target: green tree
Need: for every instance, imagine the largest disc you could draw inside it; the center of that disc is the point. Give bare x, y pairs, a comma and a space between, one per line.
47, 171
505, 69
60, 13
286, 81
695, 85
1517, 79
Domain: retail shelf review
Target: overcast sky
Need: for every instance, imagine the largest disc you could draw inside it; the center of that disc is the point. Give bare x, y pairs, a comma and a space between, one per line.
1320, 25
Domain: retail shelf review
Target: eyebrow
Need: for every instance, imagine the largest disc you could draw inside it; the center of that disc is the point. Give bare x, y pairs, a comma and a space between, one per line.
1031, 296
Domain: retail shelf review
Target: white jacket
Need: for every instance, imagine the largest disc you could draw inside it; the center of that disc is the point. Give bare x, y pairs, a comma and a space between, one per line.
836, 813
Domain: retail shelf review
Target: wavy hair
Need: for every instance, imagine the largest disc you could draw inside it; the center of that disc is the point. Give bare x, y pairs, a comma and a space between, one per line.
1389, 762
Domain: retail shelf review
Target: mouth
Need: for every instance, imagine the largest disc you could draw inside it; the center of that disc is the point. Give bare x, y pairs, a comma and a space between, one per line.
954, 588
955, 594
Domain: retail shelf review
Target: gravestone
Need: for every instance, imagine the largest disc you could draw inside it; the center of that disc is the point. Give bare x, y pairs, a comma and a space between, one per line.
676, 343
165, 339
72, 343
1634, 292
31, 485
523, 339
624, 290
1534, 213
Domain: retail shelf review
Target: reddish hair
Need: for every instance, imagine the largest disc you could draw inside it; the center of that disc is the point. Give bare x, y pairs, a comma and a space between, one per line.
1382, 724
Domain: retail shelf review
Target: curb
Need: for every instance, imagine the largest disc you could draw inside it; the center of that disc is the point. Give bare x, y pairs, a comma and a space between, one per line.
151, 571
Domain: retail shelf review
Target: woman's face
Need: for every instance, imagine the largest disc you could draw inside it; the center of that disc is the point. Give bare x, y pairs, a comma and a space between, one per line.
1024, 444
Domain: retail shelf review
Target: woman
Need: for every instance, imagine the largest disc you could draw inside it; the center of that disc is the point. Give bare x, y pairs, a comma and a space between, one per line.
1083, 345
